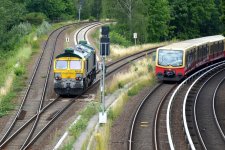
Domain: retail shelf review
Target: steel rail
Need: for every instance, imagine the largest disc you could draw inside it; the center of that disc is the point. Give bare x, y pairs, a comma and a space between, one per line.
2, 143
184, 106
27, 143
214, 110
85, 33
44, 91
28, 88
136, 113
27, 123
195, 103
157, 117
168, 115
76, 41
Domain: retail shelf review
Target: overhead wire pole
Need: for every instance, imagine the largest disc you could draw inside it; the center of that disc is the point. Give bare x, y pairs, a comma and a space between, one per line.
79, 12
79, 9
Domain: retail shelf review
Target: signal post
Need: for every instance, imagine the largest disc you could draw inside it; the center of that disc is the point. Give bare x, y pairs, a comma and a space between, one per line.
104, 51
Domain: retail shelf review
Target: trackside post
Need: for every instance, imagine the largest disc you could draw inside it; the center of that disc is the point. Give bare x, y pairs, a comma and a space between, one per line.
104, 51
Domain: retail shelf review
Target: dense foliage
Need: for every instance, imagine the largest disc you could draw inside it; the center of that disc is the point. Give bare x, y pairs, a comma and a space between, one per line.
153, 20
157, 20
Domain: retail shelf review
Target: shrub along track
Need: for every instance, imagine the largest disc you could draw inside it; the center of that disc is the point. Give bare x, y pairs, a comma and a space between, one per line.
53, 111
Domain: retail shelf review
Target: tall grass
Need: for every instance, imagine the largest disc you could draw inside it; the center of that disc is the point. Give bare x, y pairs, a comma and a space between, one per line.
141, 69
117, 51
75, 131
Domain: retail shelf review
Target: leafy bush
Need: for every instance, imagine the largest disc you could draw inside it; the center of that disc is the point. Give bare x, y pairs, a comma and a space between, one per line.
14, 36
76, 130
91, 109
134, 90
35, 45
35, 18
150, 68
117, 38
6, 104
19, 71
43, 28
91, 18
22, 29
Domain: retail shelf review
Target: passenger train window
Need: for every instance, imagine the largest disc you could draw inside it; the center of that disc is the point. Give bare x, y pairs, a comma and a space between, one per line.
61, 64
75, 64
170, 57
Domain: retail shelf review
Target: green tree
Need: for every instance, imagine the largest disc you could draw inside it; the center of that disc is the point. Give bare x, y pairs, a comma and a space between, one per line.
96, 9
193, 18
109, 9
10, 14
53, 9
158, 20
223, 16
179, 18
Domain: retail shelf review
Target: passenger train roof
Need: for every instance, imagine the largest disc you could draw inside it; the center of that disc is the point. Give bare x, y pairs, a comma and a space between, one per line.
183, 45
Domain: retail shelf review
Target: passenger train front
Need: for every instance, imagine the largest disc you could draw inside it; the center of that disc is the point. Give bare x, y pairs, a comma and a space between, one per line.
175, 61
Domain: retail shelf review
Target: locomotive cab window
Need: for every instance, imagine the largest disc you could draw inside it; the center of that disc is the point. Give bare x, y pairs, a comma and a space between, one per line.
75, 64
61, 64
170, 58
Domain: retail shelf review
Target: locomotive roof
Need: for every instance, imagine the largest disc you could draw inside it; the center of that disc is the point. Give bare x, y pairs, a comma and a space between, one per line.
81, 51
183, 45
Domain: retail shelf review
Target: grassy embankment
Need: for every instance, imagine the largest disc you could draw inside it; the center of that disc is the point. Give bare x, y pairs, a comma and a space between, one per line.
13, 64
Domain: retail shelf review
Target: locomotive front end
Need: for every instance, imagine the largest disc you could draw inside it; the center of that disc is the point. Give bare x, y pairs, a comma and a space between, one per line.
68, 76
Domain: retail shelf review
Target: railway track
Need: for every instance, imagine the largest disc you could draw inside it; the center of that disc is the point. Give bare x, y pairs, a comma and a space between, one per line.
184, 131
202, 91
82, 33
45, 114
33, 96
149, 120
21, 127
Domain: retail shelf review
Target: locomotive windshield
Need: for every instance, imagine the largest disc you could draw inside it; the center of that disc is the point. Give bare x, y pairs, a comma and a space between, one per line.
61, 64
75, 64
170, 58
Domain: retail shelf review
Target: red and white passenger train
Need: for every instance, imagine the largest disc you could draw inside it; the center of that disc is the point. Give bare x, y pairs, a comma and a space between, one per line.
175, 61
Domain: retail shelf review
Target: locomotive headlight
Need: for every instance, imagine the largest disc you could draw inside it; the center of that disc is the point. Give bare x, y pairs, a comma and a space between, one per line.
58, 76
79, 76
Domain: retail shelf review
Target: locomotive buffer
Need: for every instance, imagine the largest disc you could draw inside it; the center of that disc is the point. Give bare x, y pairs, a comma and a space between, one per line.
104, 51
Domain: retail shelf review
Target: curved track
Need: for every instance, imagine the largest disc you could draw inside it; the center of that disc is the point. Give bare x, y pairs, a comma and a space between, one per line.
146, 124
182, 131
34, 97
204, 119
81, 34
